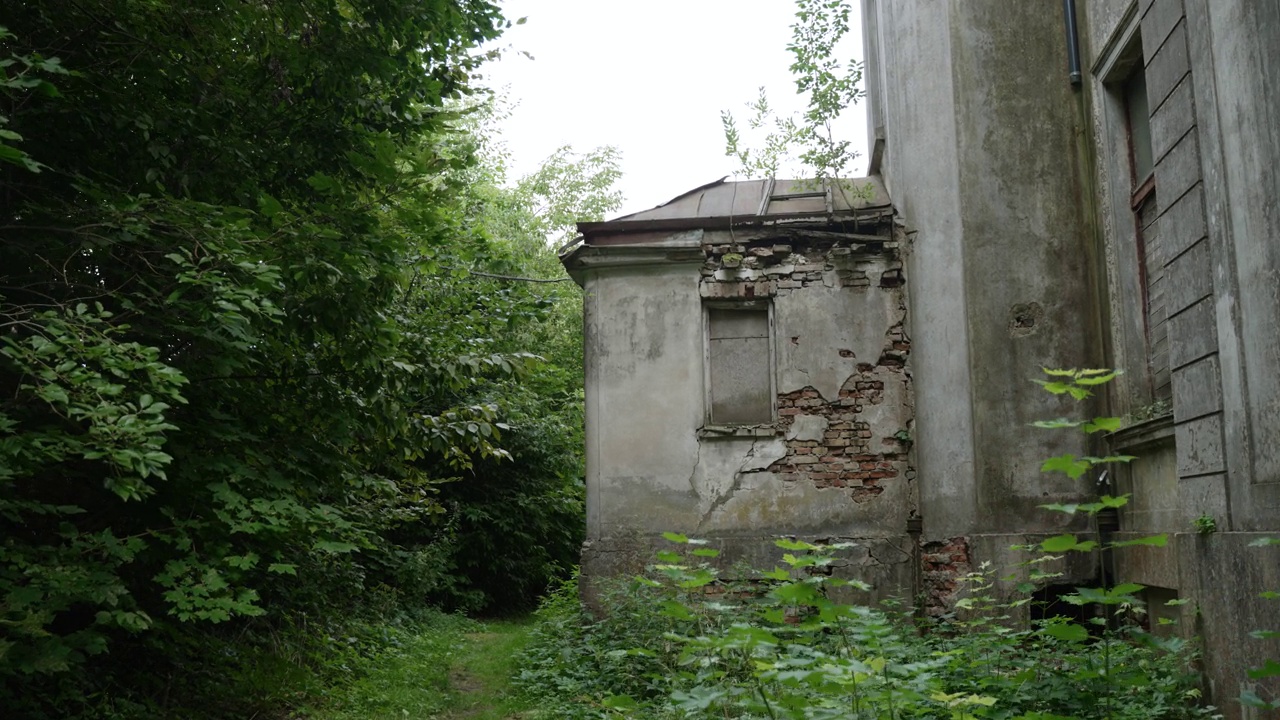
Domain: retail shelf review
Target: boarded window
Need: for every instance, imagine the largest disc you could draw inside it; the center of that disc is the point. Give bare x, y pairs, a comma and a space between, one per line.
1149, 246
741, 381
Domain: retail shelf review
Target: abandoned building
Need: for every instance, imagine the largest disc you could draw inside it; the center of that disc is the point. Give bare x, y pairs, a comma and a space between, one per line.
1090, 184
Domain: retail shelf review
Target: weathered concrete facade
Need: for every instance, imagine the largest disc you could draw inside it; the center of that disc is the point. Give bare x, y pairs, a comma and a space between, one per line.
822, 452
1126, 220
764, 360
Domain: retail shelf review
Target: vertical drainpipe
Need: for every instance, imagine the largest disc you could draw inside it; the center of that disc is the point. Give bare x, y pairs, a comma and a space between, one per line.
1107, 521
1073, 42
915, 528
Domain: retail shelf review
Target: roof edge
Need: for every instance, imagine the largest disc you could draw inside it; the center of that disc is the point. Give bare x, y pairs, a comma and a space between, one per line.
723, 222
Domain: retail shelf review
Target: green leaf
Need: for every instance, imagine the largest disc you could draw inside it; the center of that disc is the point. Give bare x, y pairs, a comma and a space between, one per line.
321, 183
676, 610
619, 702
1059, 543
1270, 668
1160, 540
706, 552
776, 574
283, 569
1264, 542
269, 206
1103, 424
789, 544
1114, 502
1068, 631
1126, 589
1098, 379
668, 557
1057, 388
1071, 465
676, 537
1098, 371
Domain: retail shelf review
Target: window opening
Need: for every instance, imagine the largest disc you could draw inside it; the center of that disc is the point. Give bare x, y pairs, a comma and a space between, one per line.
1150, 247
740, 365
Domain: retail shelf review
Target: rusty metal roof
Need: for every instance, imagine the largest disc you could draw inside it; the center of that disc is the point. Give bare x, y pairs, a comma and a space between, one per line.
723, 204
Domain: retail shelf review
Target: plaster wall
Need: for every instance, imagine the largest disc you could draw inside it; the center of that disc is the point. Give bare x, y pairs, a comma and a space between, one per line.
643, 336
981, 153
1237, 70
833, 465
920, 169
1026, 250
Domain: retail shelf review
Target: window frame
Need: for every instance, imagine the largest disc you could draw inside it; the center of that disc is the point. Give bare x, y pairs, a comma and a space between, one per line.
772, 368
1133, 337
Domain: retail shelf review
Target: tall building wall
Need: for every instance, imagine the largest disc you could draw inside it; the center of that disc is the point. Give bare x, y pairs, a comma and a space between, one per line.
1127, 220
980, 151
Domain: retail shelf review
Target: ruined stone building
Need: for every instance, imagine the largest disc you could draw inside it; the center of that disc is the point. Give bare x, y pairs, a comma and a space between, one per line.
1084, 184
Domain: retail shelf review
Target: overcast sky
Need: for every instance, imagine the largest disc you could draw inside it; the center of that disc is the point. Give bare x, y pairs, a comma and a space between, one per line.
649, 78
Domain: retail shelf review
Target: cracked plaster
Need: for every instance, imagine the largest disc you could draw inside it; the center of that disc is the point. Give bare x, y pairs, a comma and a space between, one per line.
807, 427
811, 322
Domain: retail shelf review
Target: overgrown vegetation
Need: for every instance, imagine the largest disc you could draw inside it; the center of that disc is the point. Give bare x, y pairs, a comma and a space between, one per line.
265, 383
437, 666
788, 643
796, 642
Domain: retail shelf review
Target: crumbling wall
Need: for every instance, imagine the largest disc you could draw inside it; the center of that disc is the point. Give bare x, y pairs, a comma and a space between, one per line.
944, 563
839, 450
834, 464
844, 400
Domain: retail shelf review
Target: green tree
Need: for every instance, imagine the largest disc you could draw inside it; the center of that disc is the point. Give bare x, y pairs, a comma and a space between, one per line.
829, 87
214, 400
513, 526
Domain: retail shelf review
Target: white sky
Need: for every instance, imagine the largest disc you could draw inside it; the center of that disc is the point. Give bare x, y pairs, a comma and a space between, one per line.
649, 78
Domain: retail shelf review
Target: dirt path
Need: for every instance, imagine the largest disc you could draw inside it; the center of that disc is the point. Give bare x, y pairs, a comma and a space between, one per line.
441, 674
480, 676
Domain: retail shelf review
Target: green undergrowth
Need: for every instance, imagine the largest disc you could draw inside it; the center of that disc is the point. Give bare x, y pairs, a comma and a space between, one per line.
445, 667
784, 646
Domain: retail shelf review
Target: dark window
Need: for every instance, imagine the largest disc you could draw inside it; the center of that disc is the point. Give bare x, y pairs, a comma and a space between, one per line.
1149, 246
740, 365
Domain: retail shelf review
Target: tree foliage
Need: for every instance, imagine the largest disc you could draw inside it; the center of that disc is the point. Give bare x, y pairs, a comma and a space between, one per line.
829, 86
516, 525
243, 366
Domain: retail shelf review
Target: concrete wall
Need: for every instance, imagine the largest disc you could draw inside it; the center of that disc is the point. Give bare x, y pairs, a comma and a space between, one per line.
981, 153
643, 338
1015, 187
1211, 70
835, 461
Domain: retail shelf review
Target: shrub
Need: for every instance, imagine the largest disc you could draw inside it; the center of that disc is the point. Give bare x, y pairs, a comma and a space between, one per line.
683, 642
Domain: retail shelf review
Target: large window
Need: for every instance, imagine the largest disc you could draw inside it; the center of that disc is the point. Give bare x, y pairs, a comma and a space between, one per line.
1142, 201
740, 364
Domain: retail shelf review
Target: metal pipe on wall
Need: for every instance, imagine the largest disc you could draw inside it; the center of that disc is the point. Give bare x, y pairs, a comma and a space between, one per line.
1073, 42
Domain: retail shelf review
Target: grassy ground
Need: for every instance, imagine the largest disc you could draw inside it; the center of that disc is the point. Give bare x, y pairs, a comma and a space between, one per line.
455, 671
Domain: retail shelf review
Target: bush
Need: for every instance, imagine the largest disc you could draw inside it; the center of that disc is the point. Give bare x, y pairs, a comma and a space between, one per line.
685, 643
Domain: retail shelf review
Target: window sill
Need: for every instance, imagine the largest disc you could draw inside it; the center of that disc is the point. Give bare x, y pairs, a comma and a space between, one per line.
1148, 432
713, 432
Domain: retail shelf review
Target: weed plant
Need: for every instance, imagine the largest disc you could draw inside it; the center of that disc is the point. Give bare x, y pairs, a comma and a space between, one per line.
684, 643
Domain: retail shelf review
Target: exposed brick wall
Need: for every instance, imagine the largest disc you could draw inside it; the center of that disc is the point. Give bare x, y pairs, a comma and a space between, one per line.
944, 562
845, 457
